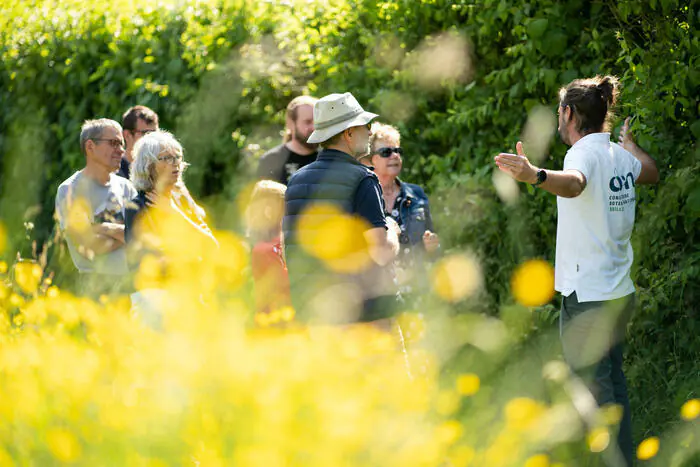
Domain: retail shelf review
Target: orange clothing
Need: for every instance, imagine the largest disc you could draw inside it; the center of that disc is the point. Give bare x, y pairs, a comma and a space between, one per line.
270, 277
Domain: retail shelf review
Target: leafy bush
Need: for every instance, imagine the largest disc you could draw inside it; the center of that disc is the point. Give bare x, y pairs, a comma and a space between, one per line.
219, 74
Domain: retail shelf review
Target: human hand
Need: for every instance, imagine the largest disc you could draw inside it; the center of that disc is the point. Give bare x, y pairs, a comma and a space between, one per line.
393, 226
110, 230
431, 242
517, 165
626, 139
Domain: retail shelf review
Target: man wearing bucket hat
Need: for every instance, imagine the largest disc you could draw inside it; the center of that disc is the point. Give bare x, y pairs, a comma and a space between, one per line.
340, 292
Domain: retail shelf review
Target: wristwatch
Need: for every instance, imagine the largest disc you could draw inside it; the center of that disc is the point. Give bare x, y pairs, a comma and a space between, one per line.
541, 177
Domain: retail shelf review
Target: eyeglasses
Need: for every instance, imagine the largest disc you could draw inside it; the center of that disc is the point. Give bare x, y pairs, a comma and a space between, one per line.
115, 143
387, 152
143, 132
170, 159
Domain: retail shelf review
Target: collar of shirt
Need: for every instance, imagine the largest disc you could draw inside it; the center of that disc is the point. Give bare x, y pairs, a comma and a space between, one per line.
592, 140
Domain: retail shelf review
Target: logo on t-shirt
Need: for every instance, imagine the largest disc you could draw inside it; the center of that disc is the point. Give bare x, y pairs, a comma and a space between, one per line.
110, 211
619, 200
617, 183
291, 168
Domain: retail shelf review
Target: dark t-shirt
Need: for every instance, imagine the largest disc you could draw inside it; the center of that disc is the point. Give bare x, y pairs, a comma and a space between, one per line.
124, 168
135, 208
368, 202
280, 163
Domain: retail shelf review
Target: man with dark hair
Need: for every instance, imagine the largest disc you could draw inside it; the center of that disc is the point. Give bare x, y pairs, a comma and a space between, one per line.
90, 206
136, 122
596, 208
280, 162
337, 196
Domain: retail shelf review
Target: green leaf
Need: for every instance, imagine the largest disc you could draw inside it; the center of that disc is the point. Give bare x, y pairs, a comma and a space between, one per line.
695, 128
537, 27
693, 201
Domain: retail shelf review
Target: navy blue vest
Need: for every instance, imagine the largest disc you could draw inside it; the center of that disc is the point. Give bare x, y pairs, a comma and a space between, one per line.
332, 179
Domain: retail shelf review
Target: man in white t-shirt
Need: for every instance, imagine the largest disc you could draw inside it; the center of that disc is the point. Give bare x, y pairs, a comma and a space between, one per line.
90, 207
596, 207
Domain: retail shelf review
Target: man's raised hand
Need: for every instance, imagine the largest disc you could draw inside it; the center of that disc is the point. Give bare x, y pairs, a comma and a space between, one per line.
517, 165
626, 139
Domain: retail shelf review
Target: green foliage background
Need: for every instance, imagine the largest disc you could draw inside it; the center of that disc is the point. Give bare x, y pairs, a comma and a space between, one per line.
220, 73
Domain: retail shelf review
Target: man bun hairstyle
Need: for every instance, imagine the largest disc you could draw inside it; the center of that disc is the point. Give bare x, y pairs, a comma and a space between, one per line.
592, 101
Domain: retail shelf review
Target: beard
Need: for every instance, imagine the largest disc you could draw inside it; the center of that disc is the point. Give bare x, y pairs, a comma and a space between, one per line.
301, 138
361, 151
564, 135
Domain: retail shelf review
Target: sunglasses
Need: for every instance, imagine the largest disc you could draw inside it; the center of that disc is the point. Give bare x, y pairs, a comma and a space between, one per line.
387, 152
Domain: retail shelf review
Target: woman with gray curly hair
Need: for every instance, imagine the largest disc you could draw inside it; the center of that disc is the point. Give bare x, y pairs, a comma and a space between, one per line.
156, 173
162, 207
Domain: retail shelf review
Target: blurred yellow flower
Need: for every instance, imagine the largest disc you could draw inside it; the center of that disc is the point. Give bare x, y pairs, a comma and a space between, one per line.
53, 292
522, 412
538, 460
598, 439
3, 265
612, 414
648, 448
456, 277
27, 276
3, 240
447, 402
449, 432
79, 214
690, 410
412, 326
334, 237
462, 456
468, 384
16, 300
63, 445
287, 314
532, 283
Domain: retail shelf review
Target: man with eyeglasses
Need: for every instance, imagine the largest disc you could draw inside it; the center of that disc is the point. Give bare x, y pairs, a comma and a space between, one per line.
137, 121
90, 207
338, 293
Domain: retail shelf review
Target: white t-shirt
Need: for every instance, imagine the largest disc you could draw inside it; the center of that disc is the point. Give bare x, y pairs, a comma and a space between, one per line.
106, 203
594, 255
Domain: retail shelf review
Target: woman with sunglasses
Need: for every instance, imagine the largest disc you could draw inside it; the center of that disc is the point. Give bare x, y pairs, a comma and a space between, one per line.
404, 202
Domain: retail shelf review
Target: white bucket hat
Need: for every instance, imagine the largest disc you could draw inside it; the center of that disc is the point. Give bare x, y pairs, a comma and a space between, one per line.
336, 113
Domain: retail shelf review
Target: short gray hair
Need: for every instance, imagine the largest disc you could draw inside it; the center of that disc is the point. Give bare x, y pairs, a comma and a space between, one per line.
381, 131
92, 129
146, 151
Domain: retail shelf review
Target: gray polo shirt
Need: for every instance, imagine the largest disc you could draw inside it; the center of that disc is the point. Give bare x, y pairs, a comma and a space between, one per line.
105, 203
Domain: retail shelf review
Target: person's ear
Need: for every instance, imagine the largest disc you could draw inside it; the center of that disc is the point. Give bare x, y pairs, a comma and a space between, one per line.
569, 113
347, 134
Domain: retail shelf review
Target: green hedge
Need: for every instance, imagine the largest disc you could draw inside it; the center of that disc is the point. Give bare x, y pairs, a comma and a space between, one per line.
219, 74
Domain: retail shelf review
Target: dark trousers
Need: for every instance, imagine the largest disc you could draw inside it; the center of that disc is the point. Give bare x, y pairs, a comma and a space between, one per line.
592, 335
